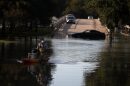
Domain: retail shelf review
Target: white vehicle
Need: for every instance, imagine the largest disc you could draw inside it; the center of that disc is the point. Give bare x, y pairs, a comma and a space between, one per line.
90, 17
70, 19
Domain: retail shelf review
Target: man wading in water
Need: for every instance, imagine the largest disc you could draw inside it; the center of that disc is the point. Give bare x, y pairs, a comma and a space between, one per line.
40, 46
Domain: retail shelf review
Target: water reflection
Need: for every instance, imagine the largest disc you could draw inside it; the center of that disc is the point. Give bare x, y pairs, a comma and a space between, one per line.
29, 75
114, 67
74, 59
13, 73
16, 47
75, 63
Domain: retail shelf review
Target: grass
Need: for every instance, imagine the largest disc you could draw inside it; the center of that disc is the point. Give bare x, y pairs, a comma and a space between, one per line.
7, 42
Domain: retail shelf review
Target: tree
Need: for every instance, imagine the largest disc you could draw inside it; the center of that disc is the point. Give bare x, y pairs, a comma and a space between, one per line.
75, 7
19, 13
110, 12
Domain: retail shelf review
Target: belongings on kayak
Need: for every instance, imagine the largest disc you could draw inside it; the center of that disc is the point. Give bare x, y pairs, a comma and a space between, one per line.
30, 61
42, 46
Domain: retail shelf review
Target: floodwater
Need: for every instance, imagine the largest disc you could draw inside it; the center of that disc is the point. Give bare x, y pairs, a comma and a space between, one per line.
74, 58
72, 62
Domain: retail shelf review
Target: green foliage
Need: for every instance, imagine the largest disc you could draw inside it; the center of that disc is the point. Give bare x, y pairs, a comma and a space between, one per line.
75, 7
110, 12
35, 9
58, 7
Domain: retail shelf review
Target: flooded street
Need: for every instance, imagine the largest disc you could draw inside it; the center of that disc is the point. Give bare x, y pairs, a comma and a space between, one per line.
74, 58
64, 43
73, 62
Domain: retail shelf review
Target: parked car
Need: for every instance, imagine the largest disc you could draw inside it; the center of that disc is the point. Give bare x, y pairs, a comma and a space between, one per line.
90, 17
70, 18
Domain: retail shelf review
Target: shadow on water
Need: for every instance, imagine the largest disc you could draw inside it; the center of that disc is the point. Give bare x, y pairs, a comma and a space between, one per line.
73, 58
18, 47
114, 68
25, 75
99, 65
13, 73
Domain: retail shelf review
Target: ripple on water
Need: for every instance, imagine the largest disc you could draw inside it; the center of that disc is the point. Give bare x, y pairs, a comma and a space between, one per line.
70, 50
74, 59
72, 74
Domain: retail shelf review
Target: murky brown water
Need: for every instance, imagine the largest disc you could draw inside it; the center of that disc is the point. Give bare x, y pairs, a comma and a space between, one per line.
114, 67
74, 62
74, 58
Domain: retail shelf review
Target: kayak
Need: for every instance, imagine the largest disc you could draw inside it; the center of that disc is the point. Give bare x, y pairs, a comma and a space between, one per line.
28, 61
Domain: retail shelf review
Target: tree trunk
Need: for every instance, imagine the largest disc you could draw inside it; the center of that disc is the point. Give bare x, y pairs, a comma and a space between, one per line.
3, 26
36, 26
12, 26
111, 37
31, 26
